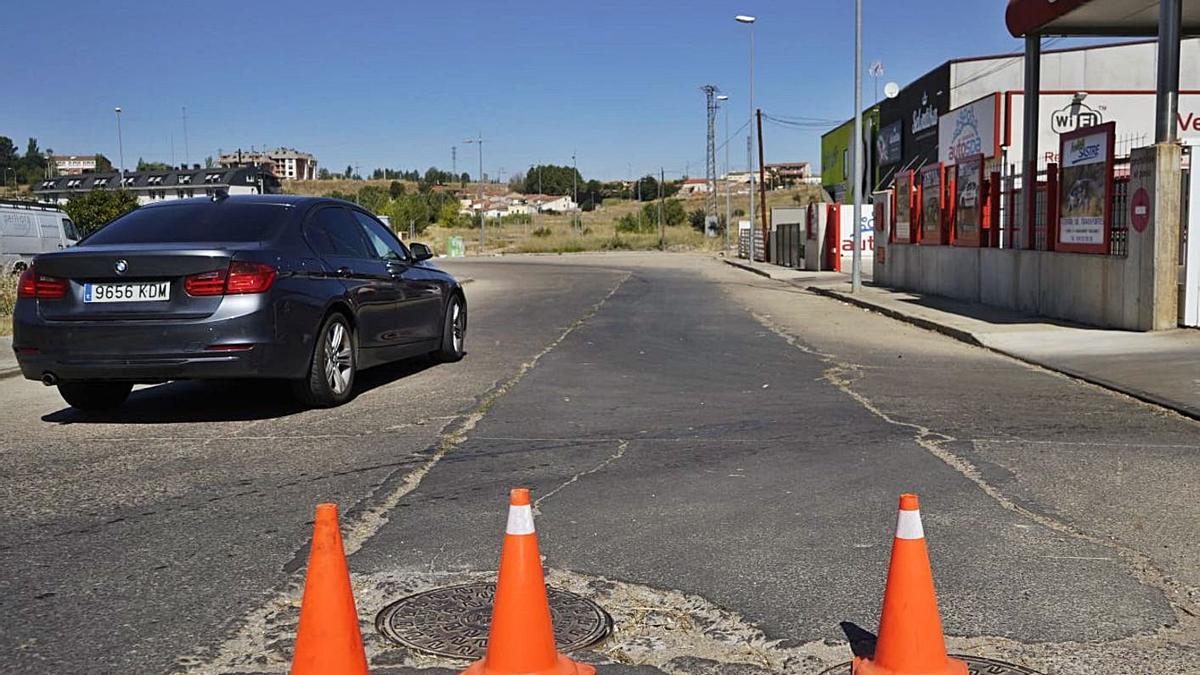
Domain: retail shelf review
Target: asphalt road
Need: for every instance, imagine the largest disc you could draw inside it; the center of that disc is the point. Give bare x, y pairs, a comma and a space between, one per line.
715, 456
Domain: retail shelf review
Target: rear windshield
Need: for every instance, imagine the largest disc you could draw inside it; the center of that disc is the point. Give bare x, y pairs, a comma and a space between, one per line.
225, 221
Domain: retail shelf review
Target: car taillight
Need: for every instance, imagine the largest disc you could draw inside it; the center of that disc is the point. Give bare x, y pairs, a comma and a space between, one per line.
249, 277
208, 283
40, 287
241, 278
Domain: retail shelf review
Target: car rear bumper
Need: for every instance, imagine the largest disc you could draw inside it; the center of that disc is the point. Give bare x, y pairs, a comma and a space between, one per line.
239, 341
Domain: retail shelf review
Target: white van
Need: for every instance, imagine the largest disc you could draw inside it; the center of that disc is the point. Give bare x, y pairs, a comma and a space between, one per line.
29, 228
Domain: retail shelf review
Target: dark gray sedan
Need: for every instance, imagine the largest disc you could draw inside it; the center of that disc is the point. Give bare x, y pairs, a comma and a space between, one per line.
305, 289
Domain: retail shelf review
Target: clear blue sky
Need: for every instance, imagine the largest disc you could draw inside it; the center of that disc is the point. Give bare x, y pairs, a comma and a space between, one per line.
398, 83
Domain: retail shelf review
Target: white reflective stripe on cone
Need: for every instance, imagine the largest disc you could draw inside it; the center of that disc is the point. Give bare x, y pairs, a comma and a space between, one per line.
908, 525
520, 520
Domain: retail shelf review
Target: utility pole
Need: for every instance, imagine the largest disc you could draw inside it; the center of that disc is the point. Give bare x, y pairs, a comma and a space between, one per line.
482, 236
120, 145
762, 190
710, 159
728, 184
856, 169
454, 161
749, 21
575, 189
186, 152
662, 224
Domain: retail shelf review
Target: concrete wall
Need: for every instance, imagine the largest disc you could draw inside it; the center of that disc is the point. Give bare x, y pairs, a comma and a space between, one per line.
1089, 289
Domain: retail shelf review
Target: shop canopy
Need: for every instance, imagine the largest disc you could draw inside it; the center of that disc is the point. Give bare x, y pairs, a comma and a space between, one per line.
1094, 17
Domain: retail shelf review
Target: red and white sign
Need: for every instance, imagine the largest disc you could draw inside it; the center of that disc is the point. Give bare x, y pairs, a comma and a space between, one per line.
1139, 209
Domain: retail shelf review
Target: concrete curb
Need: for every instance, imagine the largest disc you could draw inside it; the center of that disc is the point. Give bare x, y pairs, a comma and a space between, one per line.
927, 324
6, 373
745, 266
970, 338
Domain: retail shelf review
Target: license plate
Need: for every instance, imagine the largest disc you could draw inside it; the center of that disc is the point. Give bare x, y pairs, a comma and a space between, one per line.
152, 291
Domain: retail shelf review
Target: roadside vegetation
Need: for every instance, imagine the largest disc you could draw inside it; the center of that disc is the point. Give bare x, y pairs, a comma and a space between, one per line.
8, 298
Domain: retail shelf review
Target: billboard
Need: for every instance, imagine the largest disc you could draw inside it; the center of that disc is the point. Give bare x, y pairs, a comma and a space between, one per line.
904, 188
972, 129
1063, 113
866, 226
1085, 189
889, 143
835, 156
968, 201
931, 204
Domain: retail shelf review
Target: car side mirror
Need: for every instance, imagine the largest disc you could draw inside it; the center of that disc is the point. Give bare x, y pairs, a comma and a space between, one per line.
420, 252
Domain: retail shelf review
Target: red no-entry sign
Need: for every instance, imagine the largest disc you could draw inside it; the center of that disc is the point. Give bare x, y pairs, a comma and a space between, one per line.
1139, 209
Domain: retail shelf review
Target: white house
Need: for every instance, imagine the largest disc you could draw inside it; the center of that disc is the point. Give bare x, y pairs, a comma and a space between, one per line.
154, 186
692, 186
545, 203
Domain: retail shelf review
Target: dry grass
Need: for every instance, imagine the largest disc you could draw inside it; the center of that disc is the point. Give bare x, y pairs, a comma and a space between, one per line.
8, 298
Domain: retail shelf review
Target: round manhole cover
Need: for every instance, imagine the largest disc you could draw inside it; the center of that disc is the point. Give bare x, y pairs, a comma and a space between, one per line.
975, 666
454, 621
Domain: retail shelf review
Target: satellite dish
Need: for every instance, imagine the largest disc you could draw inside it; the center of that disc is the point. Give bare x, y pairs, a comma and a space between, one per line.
891, 90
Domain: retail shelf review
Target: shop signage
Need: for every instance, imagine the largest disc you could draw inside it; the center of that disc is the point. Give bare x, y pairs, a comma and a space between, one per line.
1075, 116
1085, 189
889, 143
925, 117
968, 131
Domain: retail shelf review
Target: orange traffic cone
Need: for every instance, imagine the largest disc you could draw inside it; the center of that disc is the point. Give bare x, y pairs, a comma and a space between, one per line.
521, 640
328, 641
910, 630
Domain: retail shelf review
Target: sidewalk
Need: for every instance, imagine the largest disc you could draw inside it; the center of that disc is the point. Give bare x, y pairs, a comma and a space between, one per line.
1161, 367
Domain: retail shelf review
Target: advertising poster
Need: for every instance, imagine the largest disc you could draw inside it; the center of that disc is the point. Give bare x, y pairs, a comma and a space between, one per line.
867, 228
970, 130
889, 143
968, 201
1085, 189
904, 184
931, 204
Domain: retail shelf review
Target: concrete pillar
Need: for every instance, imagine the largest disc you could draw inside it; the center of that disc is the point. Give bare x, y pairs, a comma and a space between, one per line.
1170, 16
1029, 144
1151, 285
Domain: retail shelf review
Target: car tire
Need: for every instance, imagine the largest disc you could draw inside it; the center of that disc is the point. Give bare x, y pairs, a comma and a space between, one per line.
94, 396
454, 332
331, 370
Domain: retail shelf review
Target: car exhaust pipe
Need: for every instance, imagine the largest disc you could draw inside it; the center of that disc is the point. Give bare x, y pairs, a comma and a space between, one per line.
49, 379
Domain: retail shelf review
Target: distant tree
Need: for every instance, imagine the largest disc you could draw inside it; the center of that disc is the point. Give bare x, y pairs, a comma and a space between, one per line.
349, 171
553, 179
410, 209
696, 219
103, 165
673, 212
152, 166
646, 188
464, 178
92, 210
396, 189
208, 162
33, 164
374, 198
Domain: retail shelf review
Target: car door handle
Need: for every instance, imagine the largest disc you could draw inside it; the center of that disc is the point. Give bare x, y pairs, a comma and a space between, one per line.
344, 272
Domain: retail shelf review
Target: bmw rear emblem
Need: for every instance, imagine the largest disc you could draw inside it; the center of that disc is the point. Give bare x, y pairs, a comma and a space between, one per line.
121, 266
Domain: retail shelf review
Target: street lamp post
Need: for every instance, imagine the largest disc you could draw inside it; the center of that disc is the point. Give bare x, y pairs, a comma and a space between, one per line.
120, 144
856, 170
575, 188
749, 21
728, 204
482, 237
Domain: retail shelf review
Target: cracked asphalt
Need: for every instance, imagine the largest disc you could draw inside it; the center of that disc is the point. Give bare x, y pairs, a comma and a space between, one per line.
715, 459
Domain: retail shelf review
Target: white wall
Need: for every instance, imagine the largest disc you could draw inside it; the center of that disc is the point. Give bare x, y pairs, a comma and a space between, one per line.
1129, 66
